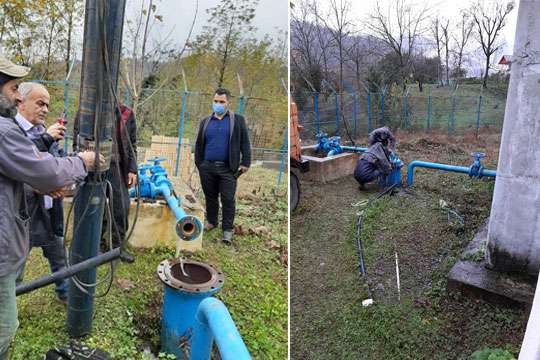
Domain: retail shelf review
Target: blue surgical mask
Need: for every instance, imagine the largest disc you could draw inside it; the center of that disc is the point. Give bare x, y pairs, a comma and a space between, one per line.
219, 109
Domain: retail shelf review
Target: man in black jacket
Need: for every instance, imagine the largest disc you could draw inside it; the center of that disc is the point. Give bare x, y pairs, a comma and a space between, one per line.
222, 154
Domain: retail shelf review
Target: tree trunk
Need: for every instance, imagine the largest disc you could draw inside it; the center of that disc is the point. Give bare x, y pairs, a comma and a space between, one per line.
484, 83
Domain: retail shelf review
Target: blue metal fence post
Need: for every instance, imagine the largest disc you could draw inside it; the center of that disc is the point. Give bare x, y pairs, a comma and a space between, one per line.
316, 111
406, 110
338, 130
241, 104
452, 119
478, 115
382, 109
181, 131
429, 110
66, 112
354, 114
283, 155
369, 112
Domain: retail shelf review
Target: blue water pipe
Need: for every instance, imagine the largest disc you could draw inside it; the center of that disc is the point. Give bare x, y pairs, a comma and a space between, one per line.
191, 319
354, 149
188, 227
215, 323
476, 170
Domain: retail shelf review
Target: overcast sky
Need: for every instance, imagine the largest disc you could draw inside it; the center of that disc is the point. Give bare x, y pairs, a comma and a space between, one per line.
271, 15
449, 9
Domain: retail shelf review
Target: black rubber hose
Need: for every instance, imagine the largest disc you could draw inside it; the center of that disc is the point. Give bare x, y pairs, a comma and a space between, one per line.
72, 270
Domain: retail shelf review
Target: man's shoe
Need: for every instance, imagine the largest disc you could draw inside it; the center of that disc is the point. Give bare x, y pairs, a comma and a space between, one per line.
227, 237
209, 226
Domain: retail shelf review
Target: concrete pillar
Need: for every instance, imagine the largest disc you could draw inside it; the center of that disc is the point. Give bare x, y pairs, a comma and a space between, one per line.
514, 225
530, 348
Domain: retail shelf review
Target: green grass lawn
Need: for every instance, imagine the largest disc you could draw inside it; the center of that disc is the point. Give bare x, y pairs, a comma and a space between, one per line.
328, 320
128, 318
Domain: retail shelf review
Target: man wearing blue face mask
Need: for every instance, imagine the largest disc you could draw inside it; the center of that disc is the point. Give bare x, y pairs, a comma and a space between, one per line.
222, 154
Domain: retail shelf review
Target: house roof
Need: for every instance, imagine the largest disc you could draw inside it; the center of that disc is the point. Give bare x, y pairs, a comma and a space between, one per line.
505, 60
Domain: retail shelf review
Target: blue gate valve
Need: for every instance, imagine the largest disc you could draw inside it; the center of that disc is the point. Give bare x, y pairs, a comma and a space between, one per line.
331, 146
476, 167
187, 227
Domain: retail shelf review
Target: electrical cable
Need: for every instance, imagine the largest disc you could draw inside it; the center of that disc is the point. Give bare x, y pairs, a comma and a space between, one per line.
131, 148
359, 242
97, 174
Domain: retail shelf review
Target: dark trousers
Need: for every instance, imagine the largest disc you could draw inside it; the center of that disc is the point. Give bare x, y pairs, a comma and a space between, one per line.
54, 251
120, 209
366, 172
218, 180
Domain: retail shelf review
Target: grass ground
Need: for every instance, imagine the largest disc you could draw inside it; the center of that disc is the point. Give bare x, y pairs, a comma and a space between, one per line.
127, 320
327, 318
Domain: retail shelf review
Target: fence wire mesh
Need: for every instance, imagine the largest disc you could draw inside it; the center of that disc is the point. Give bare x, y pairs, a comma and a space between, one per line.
175, 113
354, 115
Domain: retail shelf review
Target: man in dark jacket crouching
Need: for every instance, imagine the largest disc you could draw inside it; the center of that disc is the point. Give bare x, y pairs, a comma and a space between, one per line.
375, 162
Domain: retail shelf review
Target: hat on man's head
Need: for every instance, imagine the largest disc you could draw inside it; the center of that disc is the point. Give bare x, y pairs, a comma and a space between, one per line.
10, 69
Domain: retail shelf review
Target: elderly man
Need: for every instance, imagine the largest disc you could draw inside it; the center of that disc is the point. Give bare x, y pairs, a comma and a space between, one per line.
222, 154
22, 163
46, 213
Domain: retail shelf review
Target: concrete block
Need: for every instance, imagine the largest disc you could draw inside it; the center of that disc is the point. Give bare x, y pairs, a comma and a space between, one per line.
322, 170
473, 279
156, 222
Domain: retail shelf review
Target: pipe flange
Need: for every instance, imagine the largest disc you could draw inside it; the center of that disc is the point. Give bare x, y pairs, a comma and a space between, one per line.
188, 228
201, 277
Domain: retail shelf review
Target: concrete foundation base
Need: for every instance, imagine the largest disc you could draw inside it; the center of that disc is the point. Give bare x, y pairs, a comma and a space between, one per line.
156, 222
471, 277
322, 170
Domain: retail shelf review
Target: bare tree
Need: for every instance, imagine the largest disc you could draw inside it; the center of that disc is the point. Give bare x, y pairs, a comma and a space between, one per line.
362, 52
340, 28
143, 53
490, 19
446, 43
72, 15
325, 42
436, 33
399, 27
465, 30
305, 56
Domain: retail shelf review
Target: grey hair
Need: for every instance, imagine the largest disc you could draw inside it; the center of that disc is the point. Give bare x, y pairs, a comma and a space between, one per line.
26, 88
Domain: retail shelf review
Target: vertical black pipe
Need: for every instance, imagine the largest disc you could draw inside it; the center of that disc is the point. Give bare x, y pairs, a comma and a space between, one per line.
103, 27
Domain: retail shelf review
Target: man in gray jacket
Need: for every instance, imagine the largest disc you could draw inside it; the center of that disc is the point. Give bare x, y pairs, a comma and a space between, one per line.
21, 162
